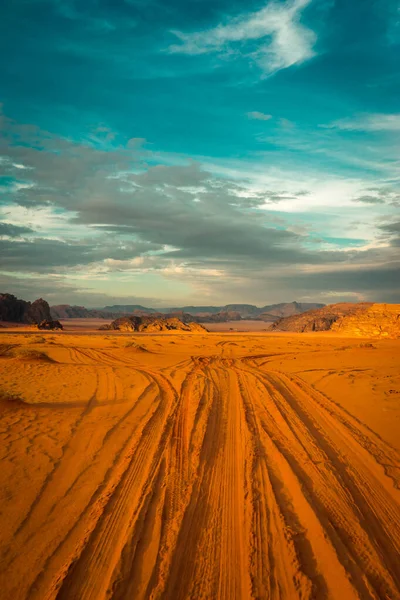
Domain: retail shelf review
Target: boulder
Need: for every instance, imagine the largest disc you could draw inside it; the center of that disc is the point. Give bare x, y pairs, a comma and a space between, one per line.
50, 325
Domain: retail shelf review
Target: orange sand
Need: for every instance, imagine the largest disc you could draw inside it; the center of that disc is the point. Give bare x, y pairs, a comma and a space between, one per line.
216, 466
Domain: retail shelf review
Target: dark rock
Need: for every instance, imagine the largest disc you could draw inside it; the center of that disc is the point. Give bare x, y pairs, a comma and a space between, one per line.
14, 310
50, 325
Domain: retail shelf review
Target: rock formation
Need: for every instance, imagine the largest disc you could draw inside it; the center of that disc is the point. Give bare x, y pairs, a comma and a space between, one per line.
377, 320
364, 319
152, 324
50, 325
14, 310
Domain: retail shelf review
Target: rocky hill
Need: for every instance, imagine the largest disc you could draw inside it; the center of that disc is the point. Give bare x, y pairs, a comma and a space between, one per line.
377, 320
152, 325
363, 319
14, 310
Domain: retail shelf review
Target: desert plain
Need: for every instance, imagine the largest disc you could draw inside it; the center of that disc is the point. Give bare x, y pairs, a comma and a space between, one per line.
206, 466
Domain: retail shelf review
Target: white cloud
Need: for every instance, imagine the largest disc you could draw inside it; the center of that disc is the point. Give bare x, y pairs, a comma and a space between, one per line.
371, 122
283, 40
259, 116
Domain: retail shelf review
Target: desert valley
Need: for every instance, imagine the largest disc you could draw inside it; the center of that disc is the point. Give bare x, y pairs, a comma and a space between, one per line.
200, 300
173, 462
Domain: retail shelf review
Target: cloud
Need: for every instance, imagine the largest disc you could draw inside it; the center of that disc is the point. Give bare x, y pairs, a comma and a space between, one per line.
43, 255
115, 218
369, 200
391, 233
259, 116
282, 40
57, 290
368, 122
10, 230
380, 195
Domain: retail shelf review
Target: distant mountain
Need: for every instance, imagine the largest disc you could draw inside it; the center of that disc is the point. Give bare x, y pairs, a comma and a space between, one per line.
203, 314
65, 311
286, 309
194, 310
14, 310
129, 309
228, 312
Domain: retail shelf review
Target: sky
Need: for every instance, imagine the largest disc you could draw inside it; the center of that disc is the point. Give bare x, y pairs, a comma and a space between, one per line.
200, 152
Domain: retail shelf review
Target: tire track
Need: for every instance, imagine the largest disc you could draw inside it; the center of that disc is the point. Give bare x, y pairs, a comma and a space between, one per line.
212, 478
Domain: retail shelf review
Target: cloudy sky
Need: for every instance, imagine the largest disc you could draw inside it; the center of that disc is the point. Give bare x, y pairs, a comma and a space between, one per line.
210, 151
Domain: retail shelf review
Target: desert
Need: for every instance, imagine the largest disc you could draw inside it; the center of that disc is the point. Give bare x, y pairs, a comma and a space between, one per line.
200, 300
199, 465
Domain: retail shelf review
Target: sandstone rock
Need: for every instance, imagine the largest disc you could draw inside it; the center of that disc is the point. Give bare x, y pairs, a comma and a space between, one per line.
152, 324
37, 311
378, 320
14, 310
364, 319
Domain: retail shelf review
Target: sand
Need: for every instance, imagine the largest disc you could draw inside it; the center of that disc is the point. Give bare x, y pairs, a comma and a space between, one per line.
216, 466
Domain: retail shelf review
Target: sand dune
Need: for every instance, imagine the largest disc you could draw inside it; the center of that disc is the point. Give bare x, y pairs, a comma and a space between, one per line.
214, 466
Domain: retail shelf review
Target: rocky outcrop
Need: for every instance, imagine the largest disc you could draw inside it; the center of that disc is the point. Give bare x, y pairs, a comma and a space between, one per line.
37, 311
378, 320
150, 325
14, 310
363, 319
11, 308
50, 325
320, 319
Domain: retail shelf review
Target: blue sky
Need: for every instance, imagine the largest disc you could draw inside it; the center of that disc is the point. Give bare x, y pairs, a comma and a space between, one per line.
200, 152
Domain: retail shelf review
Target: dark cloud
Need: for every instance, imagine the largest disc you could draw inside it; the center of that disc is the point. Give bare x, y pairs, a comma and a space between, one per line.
380, 283
370, 200
166, 214
10, 230
182, 206
381, 195
46, 255
57, 291
391, 227
391, 232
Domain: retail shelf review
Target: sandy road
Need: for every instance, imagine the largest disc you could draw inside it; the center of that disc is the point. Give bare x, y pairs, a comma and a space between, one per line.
215, 476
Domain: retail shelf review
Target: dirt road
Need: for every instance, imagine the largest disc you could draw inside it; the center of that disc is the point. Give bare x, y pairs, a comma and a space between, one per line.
198, 467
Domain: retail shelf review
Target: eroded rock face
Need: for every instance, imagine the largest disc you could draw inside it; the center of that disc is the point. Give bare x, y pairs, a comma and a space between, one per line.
320, 319
11, 308
364, 319
149, 324
379, 320
50, 325
14, 310
37, 311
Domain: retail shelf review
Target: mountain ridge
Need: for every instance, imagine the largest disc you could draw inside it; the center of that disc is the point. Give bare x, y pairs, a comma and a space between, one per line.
210, 313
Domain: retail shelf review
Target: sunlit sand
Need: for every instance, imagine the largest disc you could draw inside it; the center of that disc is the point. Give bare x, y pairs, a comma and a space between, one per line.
214, 466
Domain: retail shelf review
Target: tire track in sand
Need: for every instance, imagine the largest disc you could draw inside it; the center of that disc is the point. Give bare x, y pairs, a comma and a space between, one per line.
354, 500
240, 483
